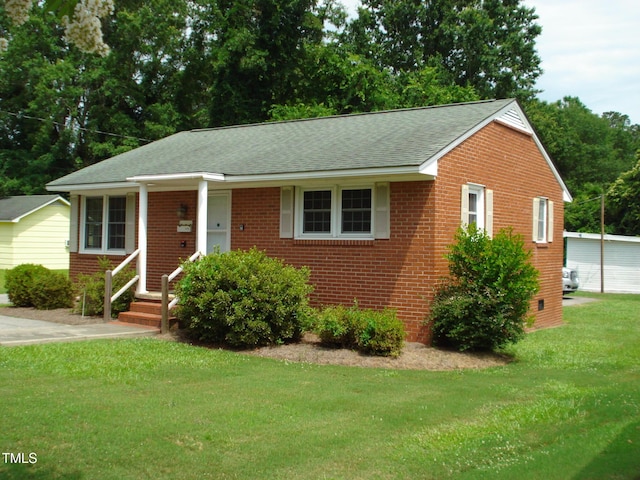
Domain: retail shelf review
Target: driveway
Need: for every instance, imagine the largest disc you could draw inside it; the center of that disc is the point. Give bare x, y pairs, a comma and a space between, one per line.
569, 301
21, 331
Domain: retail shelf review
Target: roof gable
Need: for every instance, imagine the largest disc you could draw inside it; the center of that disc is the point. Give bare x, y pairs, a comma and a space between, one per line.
13, 209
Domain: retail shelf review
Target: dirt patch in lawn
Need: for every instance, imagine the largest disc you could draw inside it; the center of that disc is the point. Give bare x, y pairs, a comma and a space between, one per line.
415, 356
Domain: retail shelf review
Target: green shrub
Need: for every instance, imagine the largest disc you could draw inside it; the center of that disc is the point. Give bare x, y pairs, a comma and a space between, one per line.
20, 281
337, 326
89, 290
52, 290
368, 331
243, 299
383, 334
484, 304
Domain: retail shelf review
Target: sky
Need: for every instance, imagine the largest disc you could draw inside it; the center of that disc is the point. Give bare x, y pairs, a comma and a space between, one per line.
590, 49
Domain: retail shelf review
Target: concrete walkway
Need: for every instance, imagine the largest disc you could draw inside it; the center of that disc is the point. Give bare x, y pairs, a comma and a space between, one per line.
21, 331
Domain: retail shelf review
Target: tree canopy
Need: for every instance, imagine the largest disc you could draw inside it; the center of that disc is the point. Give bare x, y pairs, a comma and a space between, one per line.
155, 67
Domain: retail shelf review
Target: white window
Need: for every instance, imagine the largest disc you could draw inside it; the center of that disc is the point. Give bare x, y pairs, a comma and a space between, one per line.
359, 212
542, 220
105, 222
477, 207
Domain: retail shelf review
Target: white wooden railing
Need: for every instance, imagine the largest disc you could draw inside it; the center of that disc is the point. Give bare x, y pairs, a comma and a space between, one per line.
108, 284
166, 305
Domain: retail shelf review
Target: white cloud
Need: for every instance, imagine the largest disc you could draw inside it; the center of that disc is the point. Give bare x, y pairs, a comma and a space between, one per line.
589, 49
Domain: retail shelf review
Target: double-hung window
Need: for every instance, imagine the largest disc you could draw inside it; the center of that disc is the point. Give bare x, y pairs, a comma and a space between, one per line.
359, 212
356, 211
105, 223
542, 220
336, 212
316, 213
477, 207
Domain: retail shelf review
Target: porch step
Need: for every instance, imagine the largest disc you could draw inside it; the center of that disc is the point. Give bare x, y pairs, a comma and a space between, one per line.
145, 313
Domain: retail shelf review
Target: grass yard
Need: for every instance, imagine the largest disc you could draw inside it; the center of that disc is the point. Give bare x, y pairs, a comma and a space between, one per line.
568, 407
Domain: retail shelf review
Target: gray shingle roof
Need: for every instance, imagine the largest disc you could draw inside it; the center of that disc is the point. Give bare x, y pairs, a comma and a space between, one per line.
398, 138
12, 208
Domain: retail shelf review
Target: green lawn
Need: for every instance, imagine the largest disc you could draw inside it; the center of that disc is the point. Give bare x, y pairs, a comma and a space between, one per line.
568, 407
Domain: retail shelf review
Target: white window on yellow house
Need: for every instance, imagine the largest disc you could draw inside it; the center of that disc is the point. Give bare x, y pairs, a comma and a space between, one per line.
477, 207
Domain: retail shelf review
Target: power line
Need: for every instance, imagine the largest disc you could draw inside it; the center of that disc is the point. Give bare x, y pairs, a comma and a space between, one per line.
88, 130
589, 200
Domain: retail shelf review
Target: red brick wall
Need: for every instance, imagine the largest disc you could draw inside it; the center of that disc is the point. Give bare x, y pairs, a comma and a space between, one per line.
399, 272
165, 250
394, 273
510, 164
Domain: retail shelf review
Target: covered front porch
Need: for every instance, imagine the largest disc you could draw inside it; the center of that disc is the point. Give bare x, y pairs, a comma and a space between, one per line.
178, 219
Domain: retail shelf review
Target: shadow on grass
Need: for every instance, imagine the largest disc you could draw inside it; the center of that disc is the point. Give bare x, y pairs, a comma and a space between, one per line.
19, 471
620, 460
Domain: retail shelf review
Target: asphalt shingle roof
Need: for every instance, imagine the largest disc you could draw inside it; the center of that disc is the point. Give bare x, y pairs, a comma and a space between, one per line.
396, 138
15, 207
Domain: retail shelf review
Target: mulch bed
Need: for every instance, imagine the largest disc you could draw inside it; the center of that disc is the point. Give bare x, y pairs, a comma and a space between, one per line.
415, 356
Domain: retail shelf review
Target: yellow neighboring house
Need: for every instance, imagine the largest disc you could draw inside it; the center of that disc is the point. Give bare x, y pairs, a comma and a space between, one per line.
34, 229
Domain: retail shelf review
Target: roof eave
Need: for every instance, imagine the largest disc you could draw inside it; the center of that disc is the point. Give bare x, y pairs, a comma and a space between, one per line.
33, 210
405, 172
79, 187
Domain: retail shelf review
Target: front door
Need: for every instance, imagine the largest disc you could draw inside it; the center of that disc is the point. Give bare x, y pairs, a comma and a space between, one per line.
218, 220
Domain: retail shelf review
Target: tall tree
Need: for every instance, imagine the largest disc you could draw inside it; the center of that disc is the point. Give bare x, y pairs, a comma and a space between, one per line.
489, 45
623, 201
257, 47
62, 109
590, 152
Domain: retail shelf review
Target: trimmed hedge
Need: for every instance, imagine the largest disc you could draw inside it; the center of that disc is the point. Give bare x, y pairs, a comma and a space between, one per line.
372, 332
243, 299
30, 285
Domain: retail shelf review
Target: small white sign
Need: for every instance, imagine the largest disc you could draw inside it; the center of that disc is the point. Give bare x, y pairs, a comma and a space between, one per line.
184, 226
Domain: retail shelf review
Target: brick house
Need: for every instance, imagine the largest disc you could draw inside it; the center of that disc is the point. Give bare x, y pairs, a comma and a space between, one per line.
368, 202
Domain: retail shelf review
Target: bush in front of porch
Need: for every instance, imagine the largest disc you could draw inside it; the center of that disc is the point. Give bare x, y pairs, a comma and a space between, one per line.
89, 290
243, 299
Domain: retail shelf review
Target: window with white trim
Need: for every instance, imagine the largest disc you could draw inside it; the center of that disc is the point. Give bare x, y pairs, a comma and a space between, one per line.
542, 220
104, 223
477, 207
336, 212
316, 211
358, 212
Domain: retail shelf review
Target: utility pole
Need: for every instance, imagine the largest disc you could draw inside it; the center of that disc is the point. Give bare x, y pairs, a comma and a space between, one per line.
602, 243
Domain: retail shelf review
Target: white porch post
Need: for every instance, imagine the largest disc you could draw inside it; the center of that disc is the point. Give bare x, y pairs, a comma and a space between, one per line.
142, 239
203, 197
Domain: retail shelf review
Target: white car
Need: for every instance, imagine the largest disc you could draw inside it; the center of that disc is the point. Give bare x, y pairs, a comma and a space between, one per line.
570, 280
